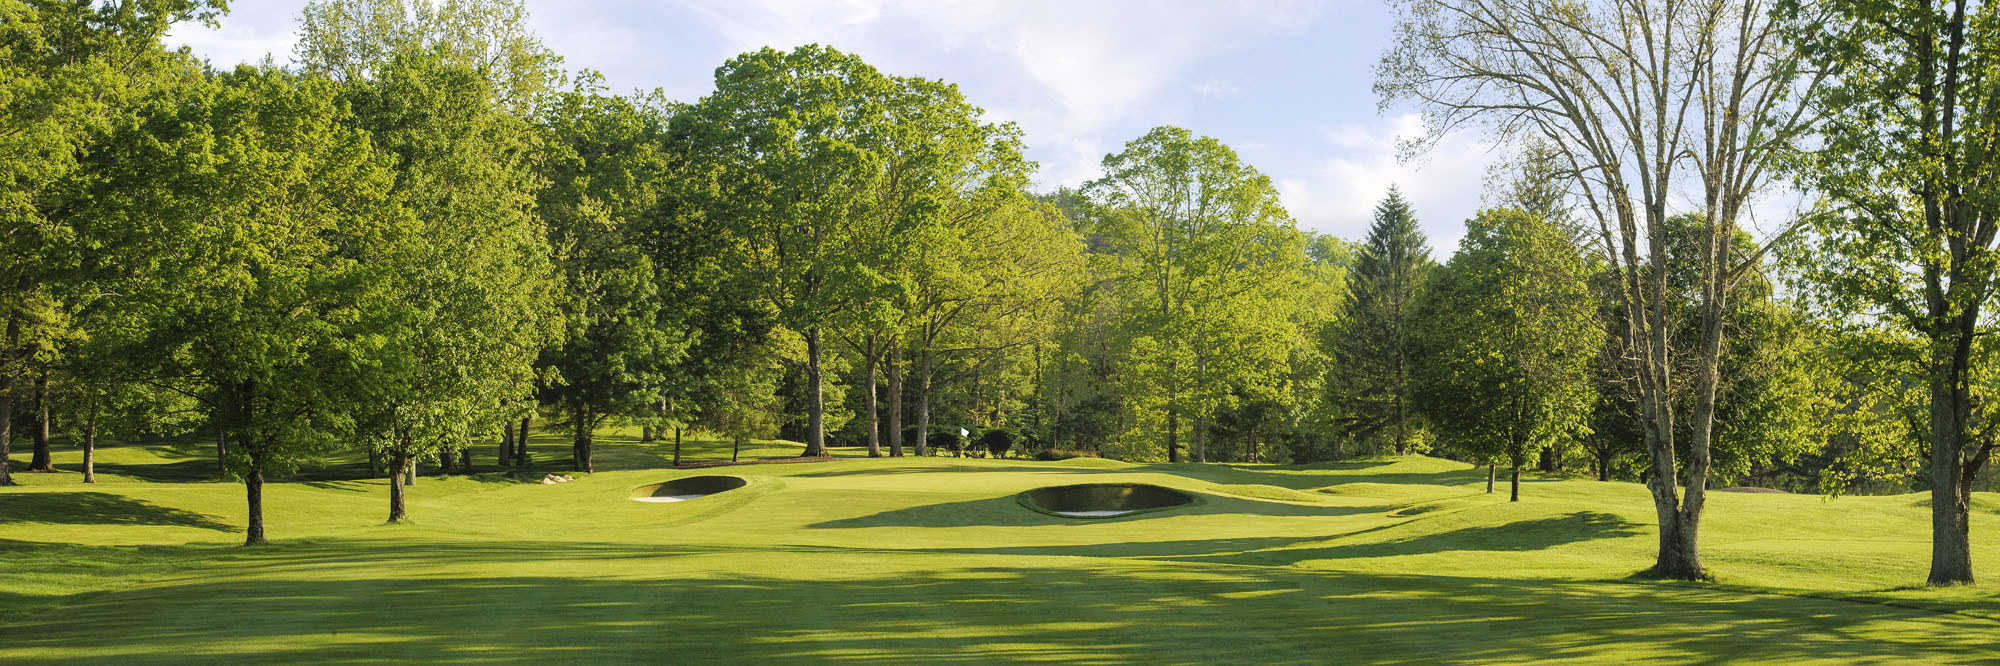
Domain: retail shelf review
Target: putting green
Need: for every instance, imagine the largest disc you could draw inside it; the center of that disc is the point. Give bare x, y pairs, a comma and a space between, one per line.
933, 560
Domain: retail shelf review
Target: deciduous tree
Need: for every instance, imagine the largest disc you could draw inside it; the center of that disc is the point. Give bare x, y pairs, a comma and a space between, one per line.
1502, 341
1909, 169
1635, 95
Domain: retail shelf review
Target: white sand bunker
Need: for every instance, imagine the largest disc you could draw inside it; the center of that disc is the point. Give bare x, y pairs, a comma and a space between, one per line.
690, 488
669, 498
1091, 514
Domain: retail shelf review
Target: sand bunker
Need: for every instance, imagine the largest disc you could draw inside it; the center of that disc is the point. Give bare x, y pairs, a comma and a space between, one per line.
681, 490
1103, 500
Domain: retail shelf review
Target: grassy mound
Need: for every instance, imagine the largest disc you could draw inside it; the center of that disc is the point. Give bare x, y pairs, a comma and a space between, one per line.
902, 560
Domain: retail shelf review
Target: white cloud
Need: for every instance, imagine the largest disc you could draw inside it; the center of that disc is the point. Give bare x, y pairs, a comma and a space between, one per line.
247, 34
1068, 72
1338, 193
1213, 88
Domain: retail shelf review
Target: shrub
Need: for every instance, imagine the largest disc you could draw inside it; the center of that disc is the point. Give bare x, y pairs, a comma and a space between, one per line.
997, 441
946, 438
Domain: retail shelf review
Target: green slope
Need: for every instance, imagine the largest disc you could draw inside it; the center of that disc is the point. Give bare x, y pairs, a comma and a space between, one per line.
932, 561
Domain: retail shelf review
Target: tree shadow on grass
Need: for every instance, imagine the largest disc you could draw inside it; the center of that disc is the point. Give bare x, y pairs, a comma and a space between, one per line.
1284, 551
1538, 534
1304, 478
1005, 511
355, 601
180, 471
95, 508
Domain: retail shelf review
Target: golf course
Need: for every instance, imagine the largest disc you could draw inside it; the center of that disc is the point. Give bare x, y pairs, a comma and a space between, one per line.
934, 560
1117, 333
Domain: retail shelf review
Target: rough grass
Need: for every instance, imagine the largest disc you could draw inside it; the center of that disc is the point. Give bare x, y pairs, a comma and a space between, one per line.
931, 561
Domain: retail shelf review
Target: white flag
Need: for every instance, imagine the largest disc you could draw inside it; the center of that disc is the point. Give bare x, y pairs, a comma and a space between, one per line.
962, 433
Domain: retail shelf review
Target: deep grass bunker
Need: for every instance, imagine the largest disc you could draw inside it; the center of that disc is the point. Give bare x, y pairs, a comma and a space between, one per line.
693, 487
1104, 500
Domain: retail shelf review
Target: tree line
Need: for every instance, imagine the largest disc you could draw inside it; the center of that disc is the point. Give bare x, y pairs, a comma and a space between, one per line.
423, 234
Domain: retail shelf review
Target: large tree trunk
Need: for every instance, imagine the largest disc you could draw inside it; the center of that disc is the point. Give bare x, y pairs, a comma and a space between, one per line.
923, 442
1951, 543
815, 397
521, 443
1517, 453
255, 495
398, 462
506, 443
580, 447
1402, 378
7, 401
465, 458
42, 461
874, 412
1201, 439
253, 488
735, 447
895, 369
90, 443
1491, 469
1680, 523
1173, 434
221, 453
677, 446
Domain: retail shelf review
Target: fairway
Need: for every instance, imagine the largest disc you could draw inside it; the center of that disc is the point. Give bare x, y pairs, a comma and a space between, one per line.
934, 561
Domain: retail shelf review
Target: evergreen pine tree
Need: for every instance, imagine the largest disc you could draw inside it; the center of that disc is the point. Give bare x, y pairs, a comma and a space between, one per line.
1366, 383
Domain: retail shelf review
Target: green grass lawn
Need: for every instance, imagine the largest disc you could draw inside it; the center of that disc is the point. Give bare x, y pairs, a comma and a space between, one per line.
932, 561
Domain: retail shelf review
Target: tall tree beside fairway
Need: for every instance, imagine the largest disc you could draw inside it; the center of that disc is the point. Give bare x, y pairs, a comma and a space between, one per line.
933, 207
68, 71
1368, 382
258, 233
1308, 431
1018, 262
1502, 340
1629, 92
474, 291
351, 39
982, 260
793, 142
1194, 236
608, 170
465, 148
1909, 163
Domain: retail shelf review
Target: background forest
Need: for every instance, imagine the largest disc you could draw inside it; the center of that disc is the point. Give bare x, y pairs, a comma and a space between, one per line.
424, 234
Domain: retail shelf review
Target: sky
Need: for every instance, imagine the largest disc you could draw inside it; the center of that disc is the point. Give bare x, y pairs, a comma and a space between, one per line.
1286, 83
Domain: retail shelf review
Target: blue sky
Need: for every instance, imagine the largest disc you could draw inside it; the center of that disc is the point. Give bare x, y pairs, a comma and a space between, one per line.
1284, 82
